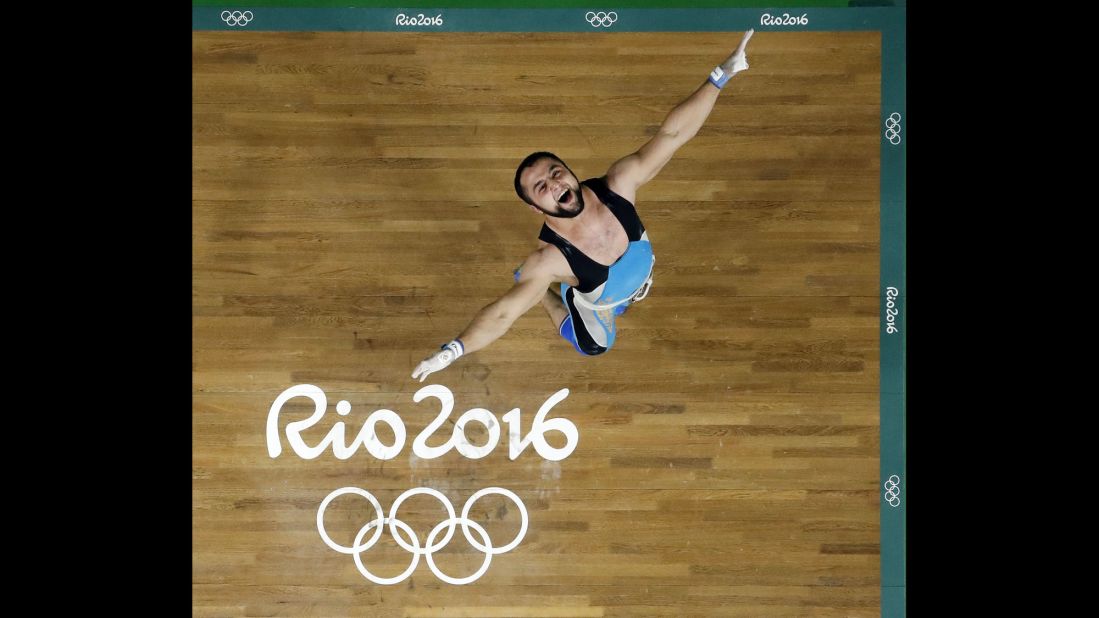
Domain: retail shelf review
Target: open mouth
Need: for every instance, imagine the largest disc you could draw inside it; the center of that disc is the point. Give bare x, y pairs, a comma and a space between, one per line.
565, 198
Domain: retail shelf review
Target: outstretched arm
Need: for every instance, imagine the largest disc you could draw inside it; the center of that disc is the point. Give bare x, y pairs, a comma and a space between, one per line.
493, 320
681, 124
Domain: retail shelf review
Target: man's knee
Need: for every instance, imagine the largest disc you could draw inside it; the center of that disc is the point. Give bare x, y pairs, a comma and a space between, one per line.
583, 345
595, 350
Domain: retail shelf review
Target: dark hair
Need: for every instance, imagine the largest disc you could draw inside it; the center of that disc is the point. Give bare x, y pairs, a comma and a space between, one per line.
531, 159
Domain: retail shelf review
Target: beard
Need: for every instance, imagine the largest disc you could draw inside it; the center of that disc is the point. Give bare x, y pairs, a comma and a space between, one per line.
577, 202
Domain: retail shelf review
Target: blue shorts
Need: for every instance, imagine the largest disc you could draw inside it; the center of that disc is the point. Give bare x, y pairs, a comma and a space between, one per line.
590, 332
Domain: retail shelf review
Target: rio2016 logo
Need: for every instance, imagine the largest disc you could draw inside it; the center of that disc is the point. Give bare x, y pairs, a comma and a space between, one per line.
336, 439
891, 312
368, 438
785, 19
418, 20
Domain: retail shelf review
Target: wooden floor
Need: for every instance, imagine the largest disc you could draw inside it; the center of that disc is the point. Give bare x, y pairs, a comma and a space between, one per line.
353, 208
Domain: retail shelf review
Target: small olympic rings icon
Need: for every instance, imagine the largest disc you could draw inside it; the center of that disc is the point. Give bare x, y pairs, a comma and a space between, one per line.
601, 19
893, 128
431, 546
893, 490
236, 18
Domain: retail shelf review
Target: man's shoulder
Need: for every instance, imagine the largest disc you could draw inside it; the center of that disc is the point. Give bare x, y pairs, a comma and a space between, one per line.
546, 260
620, 186
545, 254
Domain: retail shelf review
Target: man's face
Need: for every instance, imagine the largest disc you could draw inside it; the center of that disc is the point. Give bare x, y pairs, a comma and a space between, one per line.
553, 188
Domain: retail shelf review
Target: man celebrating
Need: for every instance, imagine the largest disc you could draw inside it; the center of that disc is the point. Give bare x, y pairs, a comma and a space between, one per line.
592, 242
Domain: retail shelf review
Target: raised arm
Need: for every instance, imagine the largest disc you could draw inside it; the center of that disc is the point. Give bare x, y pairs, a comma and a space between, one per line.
682, 123
493, 320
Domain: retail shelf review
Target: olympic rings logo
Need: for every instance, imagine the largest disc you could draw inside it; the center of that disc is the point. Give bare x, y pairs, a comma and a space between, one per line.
601, 19
236, 18
893, 490
893, 128
485, 546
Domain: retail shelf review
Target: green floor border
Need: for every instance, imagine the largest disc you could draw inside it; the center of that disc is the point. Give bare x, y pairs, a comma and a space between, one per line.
555, 4
266, 19
890, 21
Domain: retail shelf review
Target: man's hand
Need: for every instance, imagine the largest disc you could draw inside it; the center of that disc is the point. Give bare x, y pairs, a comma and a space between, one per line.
438, 360
738, 61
